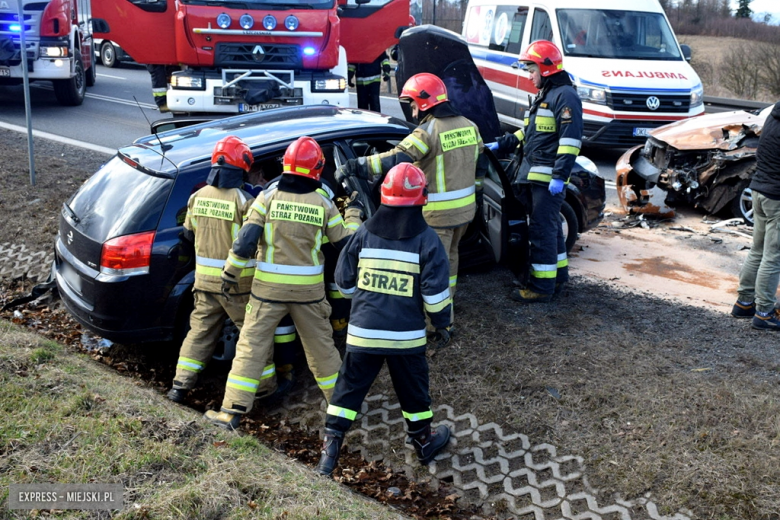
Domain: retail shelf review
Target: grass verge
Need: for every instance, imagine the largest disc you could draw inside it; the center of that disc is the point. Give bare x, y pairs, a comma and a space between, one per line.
67, 420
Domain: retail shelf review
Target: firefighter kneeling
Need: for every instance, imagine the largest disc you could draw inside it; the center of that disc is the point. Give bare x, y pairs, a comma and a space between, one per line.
286, 227
393, 267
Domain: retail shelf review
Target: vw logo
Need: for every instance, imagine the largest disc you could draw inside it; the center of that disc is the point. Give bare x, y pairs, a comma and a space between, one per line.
70, 237
653, 103
258, 53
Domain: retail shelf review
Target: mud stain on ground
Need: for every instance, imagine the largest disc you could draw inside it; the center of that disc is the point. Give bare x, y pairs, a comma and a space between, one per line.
669, 269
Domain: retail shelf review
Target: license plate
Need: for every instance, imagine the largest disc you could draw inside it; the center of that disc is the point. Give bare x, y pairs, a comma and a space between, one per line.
5, 72
242, 107
71, 277
642, 132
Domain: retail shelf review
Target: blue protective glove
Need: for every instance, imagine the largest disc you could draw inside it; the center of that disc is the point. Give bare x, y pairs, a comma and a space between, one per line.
556, 186
492, 146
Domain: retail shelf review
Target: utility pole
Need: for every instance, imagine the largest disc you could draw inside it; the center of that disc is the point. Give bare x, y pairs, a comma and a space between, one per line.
25, 75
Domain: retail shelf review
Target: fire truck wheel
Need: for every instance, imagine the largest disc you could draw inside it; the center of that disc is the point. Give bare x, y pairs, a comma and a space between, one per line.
108, 54
70, 92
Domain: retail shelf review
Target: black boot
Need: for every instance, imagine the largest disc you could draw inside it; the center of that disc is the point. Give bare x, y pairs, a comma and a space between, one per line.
331, 446
428, 442
177, 395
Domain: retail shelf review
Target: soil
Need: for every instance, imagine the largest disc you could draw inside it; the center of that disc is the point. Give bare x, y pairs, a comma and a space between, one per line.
636, 367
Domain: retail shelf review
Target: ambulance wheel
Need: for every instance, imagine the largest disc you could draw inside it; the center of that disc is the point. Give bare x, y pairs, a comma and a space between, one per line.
71, 92
571, 225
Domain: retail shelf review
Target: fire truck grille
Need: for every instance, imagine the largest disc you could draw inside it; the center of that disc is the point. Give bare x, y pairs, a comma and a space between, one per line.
258, 56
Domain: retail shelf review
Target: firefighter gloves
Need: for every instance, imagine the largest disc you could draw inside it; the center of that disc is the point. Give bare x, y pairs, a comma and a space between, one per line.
556, 186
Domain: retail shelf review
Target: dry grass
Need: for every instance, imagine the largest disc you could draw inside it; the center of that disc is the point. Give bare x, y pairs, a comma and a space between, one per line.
67, 420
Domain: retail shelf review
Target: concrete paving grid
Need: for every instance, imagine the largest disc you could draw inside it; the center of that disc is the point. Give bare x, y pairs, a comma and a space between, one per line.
500, 471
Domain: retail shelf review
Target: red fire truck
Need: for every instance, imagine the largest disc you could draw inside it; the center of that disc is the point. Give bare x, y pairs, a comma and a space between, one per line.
58, 42
246, 55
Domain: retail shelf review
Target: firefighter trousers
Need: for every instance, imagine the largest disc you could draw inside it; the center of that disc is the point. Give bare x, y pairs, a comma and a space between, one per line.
450, 238
253, 368
206, 323
368, 96
409, 373
549, 263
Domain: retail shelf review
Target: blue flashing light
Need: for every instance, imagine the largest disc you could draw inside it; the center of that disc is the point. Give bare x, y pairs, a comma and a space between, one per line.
309, 51
16, 28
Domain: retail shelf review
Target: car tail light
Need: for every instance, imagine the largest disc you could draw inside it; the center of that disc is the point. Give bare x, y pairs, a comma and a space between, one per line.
129, 254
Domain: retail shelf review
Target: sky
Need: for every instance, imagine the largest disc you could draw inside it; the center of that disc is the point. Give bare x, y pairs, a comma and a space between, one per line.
763, 6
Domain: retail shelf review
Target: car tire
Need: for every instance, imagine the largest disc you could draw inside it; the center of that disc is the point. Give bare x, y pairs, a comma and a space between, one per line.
742, 204
571, 225
108, 55
71, 92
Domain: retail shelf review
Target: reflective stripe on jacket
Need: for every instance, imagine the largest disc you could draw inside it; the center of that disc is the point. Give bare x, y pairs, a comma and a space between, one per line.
393, 283
446, 149
553, 136
215, 215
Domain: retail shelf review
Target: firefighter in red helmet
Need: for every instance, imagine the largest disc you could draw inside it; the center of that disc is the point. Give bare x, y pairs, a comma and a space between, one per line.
215, 214
446, 147
545, 152
393, 268
284, 231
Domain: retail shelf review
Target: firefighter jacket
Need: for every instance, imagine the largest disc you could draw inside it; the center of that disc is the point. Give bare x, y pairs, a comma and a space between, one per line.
395, 270
286, 227
766, 180
446, 149
368, 73
215, 214
553, 133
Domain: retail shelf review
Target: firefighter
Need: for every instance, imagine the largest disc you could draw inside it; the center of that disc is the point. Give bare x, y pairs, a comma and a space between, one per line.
369, 77
447, 148
215, 213
545, 152
285, 226
160, 75
395, 270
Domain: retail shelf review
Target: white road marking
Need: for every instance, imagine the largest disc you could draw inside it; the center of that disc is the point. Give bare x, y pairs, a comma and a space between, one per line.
610, 185
101, 97
110, 76
59, 139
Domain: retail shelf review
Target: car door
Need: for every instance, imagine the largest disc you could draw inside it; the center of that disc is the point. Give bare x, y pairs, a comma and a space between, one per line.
504, 218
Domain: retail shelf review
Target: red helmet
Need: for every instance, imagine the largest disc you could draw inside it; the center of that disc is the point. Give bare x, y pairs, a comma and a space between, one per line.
404, 185
233, 151
304, 157
546, 55
425, 89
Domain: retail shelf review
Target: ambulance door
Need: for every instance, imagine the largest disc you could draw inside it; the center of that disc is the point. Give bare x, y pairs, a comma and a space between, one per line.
515, 43
143, 28
540, 29
370, 28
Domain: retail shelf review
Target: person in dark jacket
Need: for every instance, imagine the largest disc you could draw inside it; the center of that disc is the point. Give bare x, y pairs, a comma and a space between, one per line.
761, 272
369, 77
545, 152
393, 268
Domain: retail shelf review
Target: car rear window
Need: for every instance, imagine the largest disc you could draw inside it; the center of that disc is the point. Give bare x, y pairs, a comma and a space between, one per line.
119, 200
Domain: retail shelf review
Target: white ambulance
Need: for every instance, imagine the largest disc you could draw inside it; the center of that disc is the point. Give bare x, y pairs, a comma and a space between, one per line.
622, 56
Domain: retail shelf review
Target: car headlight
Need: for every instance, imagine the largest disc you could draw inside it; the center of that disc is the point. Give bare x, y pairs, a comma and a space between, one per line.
594, 95
54, 52
697, 96
188, 82
331, 84
246, 21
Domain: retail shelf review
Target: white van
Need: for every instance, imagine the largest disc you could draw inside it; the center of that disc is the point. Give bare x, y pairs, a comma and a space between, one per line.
622, 56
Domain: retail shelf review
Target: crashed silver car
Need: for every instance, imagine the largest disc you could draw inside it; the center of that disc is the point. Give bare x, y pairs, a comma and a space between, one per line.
706, 161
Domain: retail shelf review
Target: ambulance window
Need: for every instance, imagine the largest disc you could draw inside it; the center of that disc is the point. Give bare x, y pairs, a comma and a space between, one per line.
541, 28
515, 43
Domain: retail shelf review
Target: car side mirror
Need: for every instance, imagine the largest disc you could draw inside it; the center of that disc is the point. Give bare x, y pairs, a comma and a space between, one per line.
686, 50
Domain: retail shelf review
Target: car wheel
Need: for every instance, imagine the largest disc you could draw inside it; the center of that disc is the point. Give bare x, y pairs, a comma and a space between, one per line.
108, 55
71, 92
742, 204
571, 225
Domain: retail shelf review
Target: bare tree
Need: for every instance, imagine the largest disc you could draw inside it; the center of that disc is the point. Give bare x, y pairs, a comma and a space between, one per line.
737, 74
769, 58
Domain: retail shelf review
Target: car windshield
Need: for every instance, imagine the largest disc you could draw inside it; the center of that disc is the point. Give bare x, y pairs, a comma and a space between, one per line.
266, 4
119, 200
613, 34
